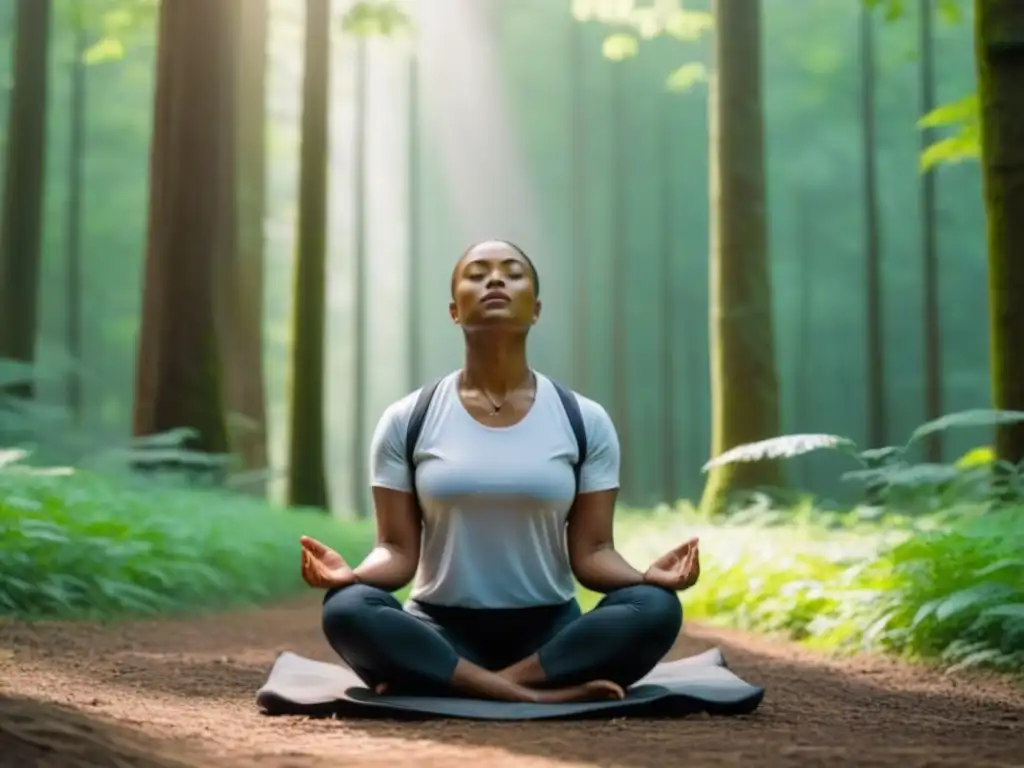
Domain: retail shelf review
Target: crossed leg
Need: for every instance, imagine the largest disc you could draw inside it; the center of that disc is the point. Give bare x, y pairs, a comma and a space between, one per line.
594, 656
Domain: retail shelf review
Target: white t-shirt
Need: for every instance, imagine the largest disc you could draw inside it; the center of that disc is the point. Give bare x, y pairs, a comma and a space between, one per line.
495, 499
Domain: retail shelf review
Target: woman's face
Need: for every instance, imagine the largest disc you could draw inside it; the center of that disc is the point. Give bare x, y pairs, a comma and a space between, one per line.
492, 286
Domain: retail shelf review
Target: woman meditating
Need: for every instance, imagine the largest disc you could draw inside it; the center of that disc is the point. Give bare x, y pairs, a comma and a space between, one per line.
493, 488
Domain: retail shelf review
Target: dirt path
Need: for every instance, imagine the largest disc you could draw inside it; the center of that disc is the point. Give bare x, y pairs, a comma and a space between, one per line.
181, 693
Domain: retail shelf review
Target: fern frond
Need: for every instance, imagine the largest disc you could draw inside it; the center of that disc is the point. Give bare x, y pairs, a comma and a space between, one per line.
784, 447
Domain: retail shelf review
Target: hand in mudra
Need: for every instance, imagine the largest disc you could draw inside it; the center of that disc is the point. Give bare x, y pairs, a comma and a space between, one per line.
678, 569
322, 567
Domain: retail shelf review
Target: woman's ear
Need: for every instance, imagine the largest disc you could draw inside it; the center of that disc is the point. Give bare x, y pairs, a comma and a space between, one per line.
454, 312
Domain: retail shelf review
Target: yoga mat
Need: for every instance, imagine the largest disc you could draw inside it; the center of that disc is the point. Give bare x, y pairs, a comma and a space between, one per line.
702, 683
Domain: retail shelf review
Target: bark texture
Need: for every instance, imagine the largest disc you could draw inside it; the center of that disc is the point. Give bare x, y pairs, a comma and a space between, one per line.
999, 48
744, 382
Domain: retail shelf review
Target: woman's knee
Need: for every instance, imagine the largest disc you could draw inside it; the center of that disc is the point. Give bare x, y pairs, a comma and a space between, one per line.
346, 610
659, 610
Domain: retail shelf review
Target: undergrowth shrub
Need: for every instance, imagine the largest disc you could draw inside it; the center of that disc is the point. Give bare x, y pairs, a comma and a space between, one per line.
77, 544
947, 586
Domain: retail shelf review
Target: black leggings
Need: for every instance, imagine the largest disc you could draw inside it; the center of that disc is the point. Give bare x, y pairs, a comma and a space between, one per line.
417, 649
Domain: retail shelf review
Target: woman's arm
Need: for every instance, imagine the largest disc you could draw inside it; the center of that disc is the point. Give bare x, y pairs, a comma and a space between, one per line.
591, 544
595, 562
392, 562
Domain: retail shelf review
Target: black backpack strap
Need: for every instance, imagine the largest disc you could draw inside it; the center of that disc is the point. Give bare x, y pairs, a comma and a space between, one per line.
412, 432
572, 410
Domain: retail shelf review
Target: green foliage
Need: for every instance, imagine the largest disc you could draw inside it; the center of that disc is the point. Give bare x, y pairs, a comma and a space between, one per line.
890, 475
376, 18
947, 587
81, 545
110, 25
964, 143
950, 11
661, 18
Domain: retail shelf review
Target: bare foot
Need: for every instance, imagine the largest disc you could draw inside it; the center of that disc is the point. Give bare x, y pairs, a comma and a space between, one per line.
596, 690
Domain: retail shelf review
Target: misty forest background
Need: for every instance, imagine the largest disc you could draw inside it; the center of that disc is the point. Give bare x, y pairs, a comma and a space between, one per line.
227, 229
512, 121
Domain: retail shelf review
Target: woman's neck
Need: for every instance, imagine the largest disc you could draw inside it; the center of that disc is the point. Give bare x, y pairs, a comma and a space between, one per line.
495, 365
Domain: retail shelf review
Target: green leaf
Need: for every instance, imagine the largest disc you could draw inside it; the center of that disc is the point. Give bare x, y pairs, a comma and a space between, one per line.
620, 46
951, 12
952, 113
686, 76
972, 418
689, 25
375, 18
107, 49
971, 598
1010, 610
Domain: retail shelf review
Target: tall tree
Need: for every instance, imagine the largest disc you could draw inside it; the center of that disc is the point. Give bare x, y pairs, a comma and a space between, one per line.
76, 158
620, 272
359, 398
929, 241
21, 217
191, 222
669, 303
578, 189
999, 30
744, 383
873, 312
414, 362
243, 288
307, 484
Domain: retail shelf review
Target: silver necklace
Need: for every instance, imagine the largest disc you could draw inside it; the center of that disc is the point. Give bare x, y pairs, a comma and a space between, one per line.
498, 406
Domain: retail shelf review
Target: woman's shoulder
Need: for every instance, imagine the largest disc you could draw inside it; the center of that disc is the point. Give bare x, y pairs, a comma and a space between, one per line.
595, 416
399, 412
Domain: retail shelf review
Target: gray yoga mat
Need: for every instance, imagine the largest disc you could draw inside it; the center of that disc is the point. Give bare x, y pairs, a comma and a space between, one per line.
702, 683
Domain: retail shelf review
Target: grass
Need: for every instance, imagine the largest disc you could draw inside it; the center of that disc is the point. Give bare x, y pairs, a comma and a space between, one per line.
947, 587
82, 546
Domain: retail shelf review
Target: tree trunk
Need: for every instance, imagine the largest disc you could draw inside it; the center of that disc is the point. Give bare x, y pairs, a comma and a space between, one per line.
744, 383
360, 475
669, 302
191, 223
414, 361
999, 47
578, 203
929, 246
21, 220
620, 274
76, 156
875, 352
307, 485
243, 289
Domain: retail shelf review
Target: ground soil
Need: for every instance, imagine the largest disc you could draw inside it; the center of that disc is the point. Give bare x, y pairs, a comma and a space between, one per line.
181, 693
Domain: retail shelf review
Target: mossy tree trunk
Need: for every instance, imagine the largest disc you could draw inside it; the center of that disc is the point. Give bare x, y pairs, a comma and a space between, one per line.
999, 48
191, 223
307, 484
875, 330
21, 218
243, 291
744, 383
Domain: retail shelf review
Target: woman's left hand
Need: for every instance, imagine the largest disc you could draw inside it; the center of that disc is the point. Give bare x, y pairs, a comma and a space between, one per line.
678, 569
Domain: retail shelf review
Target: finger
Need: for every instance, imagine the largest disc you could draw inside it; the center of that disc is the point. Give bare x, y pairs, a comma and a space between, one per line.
313, 546
685, 547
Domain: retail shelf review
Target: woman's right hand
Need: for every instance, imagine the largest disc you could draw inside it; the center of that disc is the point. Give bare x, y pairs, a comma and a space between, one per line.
322, 567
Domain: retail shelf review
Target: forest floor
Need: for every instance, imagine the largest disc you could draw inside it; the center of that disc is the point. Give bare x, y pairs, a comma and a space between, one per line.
181, 692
